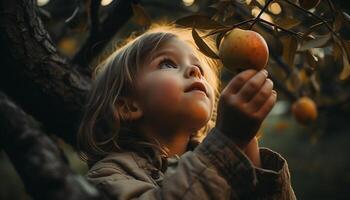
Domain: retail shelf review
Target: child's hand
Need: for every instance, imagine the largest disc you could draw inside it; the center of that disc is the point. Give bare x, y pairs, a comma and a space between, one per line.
243, 105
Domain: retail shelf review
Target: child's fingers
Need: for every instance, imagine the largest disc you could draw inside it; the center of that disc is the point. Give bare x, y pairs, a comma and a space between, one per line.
238, 81
253, 85
260, 98
268, 105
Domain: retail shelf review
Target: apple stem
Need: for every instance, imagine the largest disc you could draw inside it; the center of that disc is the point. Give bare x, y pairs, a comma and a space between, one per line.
260, 13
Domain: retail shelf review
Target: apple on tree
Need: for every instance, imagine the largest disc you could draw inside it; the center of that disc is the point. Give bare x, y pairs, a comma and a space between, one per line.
243, 49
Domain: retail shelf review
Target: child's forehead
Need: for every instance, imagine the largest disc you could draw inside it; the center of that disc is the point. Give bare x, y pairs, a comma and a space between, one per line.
175, 46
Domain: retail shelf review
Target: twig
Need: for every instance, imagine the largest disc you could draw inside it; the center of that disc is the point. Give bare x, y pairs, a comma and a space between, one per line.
331, 6
312, 14
243, 22
323, 21
108, 28
279, 27
312, 29
228, 28
94, 16
261, 12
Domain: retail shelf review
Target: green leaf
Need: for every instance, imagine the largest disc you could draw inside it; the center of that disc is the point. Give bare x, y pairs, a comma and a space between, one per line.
203, 47
219, 38
308, 4
199, 22
338, 21
288, 23
346, 59
140, 16
216, 31
290, 45
346, 19
336, 51
346, 68
311, 59
315, 84
344, 46
294, 81
220, 6
347, 48
318, 42
310, 30
229, 13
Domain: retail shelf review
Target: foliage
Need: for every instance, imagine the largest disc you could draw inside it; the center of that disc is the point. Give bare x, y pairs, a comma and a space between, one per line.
308, 41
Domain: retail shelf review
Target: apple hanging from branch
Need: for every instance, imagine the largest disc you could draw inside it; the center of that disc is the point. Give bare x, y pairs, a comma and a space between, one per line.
243, 49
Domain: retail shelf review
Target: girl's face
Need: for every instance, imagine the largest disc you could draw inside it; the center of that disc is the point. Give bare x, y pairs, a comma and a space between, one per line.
172, 91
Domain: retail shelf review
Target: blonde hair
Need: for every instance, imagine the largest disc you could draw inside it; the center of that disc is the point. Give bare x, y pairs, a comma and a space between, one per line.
101, 130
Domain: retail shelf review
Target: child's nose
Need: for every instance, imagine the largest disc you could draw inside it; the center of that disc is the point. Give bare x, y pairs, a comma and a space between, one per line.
193, 71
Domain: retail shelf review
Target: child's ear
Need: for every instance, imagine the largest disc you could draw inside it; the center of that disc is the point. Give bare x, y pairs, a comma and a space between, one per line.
128, 109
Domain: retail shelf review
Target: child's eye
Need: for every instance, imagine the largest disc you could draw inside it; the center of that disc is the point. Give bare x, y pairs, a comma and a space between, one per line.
167, 63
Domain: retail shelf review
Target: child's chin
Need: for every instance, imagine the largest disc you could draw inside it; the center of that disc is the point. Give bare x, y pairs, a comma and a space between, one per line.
199, 119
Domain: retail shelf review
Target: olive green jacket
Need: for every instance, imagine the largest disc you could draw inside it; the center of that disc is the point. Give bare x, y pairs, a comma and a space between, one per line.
215, 169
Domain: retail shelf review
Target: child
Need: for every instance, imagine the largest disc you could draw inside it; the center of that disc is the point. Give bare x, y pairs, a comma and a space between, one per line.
153, 100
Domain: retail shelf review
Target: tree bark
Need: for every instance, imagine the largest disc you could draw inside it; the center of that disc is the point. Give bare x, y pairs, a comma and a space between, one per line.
37, 159
102, 33
52, 90
35, 75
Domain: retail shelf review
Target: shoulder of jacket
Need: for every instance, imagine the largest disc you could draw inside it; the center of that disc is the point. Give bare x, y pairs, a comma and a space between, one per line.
118, 161
122, 165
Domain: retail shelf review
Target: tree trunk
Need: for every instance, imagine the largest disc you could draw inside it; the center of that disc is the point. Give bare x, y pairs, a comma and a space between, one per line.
35, 75
37, 159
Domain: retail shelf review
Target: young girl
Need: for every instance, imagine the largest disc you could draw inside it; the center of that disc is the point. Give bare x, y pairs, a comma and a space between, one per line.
152, 103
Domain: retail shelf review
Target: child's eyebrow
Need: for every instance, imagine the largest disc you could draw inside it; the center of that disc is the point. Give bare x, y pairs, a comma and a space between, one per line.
193, 58
162, 52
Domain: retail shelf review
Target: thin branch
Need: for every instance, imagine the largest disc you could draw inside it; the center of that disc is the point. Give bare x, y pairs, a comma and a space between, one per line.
331, 6
279, 27
242, 23
228, 28
324, 22
261, 12
312, 29
242, 11
311, 14
95, 44
165, 5
94, 16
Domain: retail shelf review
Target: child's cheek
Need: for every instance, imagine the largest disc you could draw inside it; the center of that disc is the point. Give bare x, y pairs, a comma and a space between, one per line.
162, 90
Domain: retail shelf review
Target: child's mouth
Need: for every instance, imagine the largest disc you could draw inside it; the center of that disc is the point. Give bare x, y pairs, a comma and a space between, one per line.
198, 87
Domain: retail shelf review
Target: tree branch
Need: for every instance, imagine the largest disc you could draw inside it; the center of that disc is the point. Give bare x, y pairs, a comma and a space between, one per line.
37, 159
260, 13
95, 43
35, 75
279, 27
94, 17
323, 21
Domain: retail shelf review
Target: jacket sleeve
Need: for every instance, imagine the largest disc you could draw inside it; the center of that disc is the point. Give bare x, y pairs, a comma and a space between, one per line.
216, 169
273, 178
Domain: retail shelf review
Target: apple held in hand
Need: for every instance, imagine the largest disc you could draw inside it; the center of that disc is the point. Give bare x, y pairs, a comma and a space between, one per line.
243, 49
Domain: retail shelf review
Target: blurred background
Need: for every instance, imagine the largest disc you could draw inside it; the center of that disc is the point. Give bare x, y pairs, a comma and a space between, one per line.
307, 60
